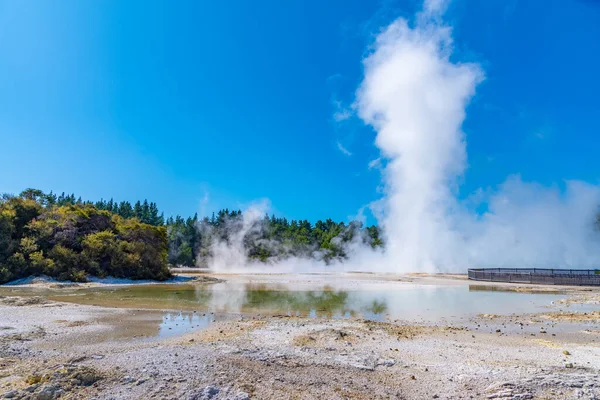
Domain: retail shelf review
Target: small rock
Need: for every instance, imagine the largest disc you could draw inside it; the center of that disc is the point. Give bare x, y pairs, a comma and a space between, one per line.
364, 367
568, 365
32, 388
10, 394
386, 363
48, 392
142, 380
207, 393
128, 379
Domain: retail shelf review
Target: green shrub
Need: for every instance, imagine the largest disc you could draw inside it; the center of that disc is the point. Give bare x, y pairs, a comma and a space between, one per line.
72, 242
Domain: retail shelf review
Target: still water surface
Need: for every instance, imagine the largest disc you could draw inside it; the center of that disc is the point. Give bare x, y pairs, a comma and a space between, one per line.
387, 301
164, 310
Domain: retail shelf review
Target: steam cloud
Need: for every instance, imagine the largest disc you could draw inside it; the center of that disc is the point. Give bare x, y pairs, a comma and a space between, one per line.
230, 255
415, 98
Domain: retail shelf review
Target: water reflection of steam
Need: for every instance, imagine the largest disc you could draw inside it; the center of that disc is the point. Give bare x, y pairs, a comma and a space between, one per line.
227, 297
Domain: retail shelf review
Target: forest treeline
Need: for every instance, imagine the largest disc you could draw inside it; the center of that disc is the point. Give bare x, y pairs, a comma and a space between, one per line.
66, 237
267, 239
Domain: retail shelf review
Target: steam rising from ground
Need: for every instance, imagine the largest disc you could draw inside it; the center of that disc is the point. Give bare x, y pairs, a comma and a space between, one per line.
230, 255
415, 98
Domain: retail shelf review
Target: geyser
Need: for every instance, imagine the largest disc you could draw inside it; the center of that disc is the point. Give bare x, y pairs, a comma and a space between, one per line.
415, 98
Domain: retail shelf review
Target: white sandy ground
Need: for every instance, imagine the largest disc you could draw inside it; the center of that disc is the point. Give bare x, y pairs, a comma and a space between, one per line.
56, 350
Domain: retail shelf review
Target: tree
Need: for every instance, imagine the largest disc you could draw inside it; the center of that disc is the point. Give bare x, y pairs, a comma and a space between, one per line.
32, 194
137, 210
70, 238
75, 240
125, 210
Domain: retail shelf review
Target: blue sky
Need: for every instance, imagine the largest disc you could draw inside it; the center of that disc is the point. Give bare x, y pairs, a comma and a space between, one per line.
236, 99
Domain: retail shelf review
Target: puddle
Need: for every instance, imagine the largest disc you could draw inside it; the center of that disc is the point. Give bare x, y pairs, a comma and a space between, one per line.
168, 310
174, 324
383, 301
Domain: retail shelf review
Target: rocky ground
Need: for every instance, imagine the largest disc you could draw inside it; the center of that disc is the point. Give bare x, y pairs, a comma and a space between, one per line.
51, 350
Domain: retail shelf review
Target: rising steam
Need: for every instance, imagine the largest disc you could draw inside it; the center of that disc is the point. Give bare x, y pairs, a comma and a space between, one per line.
415, 98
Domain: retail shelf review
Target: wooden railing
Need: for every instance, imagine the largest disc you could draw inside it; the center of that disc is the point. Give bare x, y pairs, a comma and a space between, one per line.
578, 277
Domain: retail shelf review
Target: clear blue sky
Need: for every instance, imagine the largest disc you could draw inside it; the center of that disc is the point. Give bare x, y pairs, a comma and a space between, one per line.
172, 100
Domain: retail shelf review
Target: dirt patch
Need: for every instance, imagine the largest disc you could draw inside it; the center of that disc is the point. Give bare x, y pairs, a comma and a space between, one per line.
489, 316
66, 285
590, 296
224, 331
399, 331
592, 316
547, 343
325, 337
72, 324
305, 341
22, 301
286, 378
37, 333
55, 382
591, 331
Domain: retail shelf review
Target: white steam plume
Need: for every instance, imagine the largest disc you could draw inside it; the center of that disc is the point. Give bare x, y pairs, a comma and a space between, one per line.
229, 256
415, 98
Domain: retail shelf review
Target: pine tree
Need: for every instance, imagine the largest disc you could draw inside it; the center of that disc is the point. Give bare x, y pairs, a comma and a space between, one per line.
125, 209
145, 212
137, 210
